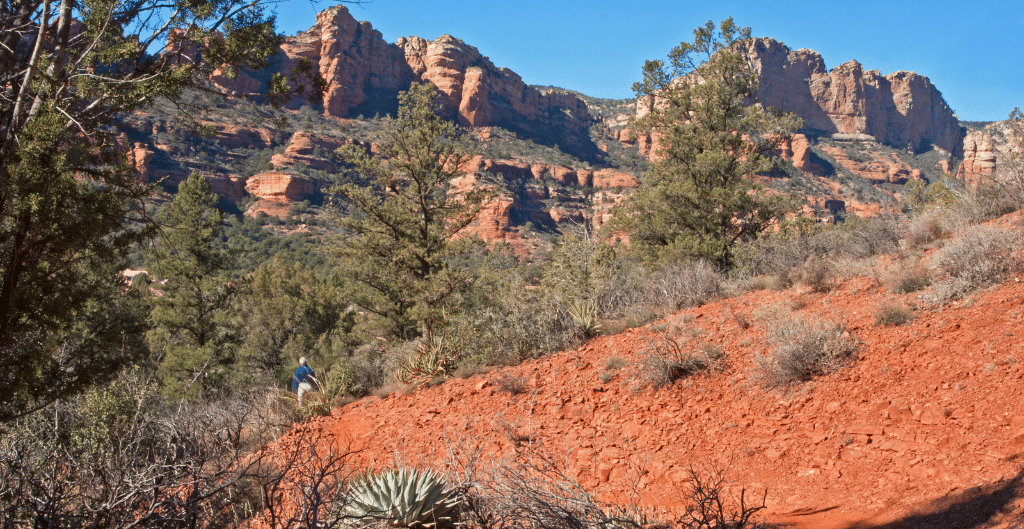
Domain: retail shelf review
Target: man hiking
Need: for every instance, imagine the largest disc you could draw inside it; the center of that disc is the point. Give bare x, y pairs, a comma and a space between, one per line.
303, 379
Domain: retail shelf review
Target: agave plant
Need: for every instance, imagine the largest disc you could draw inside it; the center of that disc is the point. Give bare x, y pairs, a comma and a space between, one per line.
404, 498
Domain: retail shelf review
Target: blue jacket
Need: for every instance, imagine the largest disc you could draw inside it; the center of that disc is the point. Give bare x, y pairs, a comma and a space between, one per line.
303, 374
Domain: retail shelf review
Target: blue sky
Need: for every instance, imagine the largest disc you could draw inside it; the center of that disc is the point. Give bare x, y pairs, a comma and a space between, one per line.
973, 52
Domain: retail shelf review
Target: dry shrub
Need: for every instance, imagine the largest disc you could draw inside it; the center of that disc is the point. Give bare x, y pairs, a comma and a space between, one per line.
369, 367
926, 228
819, 274
893, 315
666, 359
905, 276
803, 349
635, 296
981, 257
861, 238
977, 204
613, 363
912, 280
774, 262
511, 384
533, 489
684, 286
512, 323
710, 507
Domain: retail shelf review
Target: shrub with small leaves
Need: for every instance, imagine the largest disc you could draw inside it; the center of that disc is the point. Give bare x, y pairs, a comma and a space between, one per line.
404, 498
893, 315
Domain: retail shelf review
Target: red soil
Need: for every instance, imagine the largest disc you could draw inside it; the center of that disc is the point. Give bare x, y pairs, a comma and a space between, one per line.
924, 429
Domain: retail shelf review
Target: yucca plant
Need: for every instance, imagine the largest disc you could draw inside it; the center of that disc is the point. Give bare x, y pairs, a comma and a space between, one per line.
404, 498
584, 313
435, 358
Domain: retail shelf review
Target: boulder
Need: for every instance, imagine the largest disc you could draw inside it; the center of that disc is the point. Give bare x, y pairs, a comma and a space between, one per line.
280, 186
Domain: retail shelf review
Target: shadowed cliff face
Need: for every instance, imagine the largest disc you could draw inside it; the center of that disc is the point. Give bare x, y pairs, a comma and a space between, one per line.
902, 109
364, 75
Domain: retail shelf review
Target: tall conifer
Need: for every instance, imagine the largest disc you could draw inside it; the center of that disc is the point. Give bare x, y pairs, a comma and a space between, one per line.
699, 198
190, 315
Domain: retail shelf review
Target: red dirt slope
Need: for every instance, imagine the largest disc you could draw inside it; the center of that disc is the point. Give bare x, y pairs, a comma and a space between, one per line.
925, 429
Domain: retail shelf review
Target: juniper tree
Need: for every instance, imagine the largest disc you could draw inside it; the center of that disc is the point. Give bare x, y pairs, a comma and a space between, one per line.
699, 198
401, 231
285, 311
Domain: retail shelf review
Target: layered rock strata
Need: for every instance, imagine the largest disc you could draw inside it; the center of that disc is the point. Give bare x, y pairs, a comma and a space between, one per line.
364, 75
902, 109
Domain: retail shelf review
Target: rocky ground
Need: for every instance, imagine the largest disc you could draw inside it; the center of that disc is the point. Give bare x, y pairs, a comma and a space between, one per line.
924, 429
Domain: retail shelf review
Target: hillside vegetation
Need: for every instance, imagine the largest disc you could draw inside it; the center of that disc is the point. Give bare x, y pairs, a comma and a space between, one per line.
524, 306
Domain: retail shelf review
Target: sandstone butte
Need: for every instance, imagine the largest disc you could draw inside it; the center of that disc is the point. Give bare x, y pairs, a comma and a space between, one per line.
924, 430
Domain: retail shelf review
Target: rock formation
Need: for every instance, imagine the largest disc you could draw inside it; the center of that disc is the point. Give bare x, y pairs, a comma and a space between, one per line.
280, 186
979, 158
364, 75
902, 109
879, 169
315, 152
143, 157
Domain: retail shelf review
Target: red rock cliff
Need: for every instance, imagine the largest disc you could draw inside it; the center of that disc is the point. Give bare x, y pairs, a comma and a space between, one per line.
901, 109
364, 73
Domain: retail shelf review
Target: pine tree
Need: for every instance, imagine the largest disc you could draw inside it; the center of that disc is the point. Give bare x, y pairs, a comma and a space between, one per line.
698, 199
400, 233
190, 317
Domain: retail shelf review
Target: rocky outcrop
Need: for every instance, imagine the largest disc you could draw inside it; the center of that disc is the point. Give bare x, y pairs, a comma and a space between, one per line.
231, 188
143, 157
979, 158
902, 109
878, 169
355, 61
364, 75
314, 152
798, 151
280, 186
237, 137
